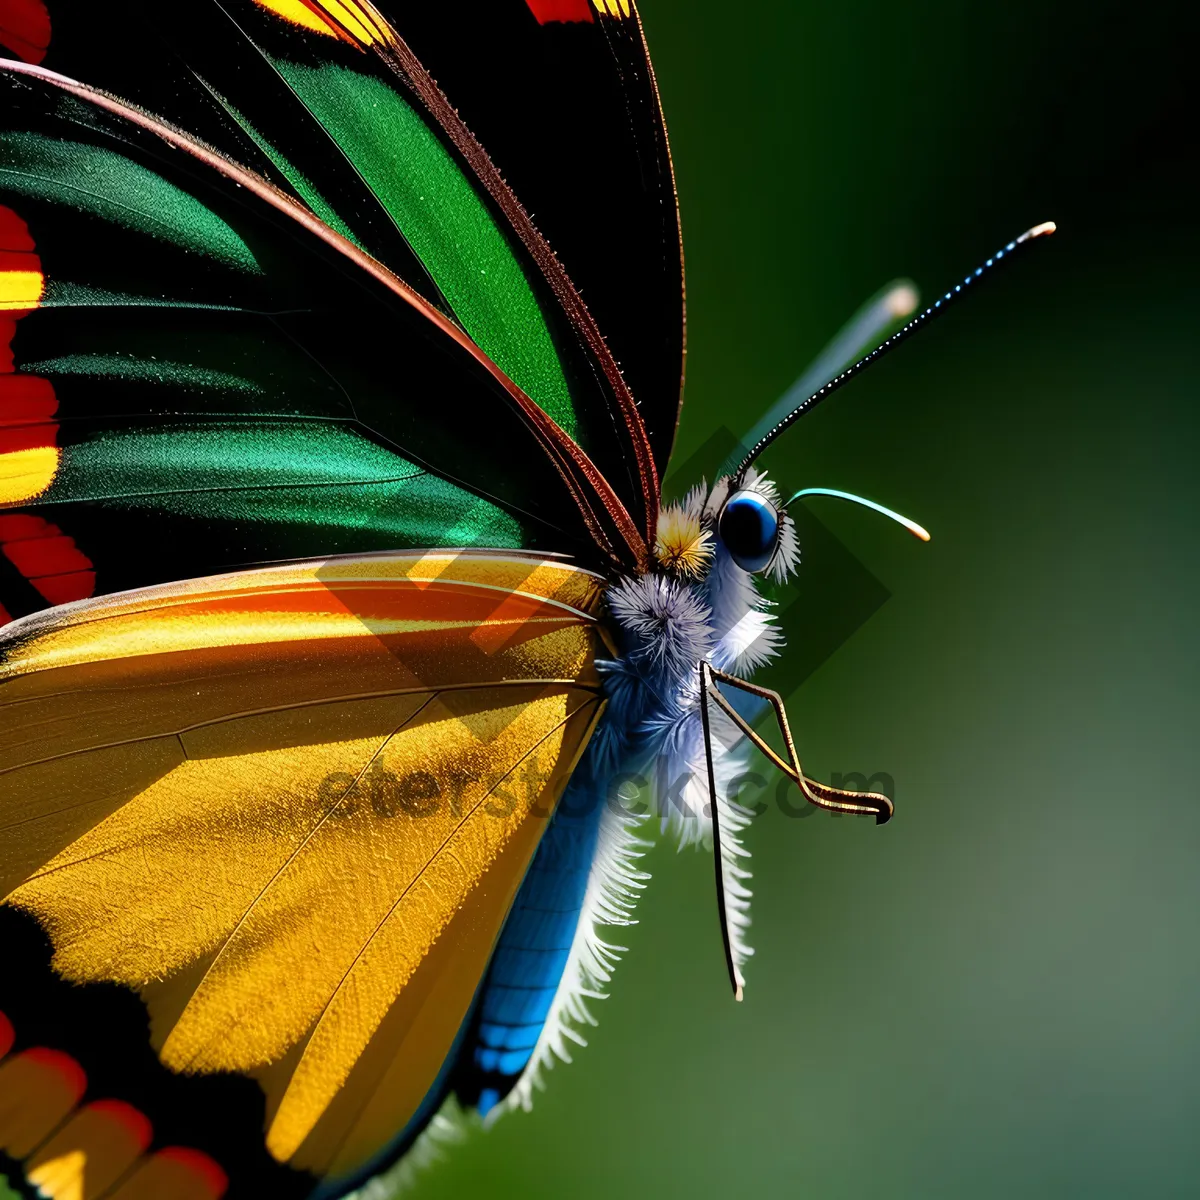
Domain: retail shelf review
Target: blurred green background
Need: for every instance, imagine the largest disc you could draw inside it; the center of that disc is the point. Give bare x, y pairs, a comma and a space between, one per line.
996, 994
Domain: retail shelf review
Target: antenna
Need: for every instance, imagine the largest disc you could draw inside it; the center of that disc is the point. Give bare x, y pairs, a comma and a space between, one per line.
922, 319
916, 530
881, 315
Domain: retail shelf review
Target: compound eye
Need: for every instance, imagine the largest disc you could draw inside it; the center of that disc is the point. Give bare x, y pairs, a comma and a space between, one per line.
749, 527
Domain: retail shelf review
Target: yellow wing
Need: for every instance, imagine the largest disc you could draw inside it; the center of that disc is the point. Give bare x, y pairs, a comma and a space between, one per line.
292, 808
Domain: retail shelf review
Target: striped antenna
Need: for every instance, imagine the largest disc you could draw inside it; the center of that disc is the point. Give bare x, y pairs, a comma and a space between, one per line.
916, 530
921, 319
881, 315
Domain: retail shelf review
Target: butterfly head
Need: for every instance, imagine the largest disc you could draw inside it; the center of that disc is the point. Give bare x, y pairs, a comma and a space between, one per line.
742, 522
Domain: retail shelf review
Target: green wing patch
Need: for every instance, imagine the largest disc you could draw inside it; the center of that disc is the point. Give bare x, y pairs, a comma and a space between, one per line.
188, 386
446, 222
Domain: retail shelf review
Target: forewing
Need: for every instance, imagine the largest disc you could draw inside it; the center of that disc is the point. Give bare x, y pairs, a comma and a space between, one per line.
291, 809
326, 101
192, 378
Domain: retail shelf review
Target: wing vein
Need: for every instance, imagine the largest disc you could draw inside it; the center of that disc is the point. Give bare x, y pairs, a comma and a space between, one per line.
350, 1125
291, 858
420, 876
288, 707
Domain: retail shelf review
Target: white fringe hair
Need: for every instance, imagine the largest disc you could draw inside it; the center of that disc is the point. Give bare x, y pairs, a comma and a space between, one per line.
691, 823
449, 1127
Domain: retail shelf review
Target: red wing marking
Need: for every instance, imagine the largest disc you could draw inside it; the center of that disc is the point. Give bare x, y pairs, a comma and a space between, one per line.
25, 28
84, 1158
40, 1088
29, 455
81, 1152
47, 557
561, 10
178, 1172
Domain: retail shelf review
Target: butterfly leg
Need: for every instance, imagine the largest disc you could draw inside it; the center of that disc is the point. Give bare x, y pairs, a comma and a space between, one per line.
735, 974
821, 794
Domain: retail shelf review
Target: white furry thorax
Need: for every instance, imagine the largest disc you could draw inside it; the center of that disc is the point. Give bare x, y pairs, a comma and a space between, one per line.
672, 620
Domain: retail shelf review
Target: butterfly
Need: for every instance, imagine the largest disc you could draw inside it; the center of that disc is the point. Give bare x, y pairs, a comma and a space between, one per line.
344, 623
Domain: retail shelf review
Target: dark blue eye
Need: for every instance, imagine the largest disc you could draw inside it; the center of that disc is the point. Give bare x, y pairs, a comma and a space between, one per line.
749, 527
